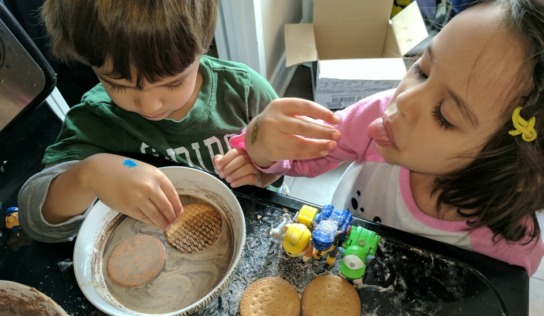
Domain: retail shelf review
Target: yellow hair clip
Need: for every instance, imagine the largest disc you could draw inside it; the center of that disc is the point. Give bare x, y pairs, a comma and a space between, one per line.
522, 127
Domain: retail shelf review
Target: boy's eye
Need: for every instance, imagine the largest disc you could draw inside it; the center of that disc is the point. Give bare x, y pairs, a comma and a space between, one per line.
117, 88
175, 85
440, 119
418, 72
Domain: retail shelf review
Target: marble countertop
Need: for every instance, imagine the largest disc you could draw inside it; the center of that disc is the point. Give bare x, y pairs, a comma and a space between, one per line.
410, 275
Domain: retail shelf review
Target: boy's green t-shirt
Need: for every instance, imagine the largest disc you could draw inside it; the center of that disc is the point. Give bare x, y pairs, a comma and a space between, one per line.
230, 96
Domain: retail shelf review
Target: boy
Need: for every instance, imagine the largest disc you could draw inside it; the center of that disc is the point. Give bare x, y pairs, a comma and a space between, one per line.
158, 96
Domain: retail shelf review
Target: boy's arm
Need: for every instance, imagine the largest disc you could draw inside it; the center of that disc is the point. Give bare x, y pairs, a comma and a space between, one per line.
131, 187
30, 202
67, 195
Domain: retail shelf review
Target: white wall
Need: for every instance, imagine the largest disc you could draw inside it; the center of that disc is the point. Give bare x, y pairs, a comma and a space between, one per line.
251, 31
275, 14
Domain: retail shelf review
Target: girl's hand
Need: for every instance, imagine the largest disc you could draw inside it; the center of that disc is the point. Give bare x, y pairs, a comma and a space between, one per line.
134, 188
236, 168
288, 128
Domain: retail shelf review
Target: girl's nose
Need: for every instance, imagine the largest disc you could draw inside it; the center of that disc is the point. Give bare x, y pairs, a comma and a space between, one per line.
412, 101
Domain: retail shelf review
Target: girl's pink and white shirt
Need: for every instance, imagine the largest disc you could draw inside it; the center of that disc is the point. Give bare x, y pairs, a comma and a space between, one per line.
377, 191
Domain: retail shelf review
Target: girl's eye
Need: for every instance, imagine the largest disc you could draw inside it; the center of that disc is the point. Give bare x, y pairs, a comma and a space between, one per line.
175, 85
419, 73
440, 119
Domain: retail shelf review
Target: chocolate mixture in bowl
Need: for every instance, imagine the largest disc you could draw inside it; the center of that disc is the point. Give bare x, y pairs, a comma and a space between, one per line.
185, 277
19, 299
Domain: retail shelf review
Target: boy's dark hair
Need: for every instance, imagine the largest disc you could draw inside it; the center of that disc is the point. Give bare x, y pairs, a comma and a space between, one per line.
158, 38
505, 183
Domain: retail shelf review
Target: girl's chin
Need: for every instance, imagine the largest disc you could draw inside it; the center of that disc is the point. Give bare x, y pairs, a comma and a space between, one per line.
389, 154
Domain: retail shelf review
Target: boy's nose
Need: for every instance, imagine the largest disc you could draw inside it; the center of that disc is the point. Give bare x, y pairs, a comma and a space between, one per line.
148, 105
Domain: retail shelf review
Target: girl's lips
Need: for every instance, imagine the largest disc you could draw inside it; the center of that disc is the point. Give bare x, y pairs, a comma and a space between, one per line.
380, 131
387, 123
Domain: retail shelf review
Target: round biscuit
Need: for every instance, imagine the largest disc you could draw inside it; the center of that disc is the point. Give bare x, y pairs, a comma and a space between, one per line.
136, 261
270, 296
330, 295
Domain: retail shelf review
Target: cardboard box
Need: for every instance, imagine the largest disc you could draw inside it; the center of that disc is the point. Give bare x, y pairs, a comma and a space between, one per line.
356, 49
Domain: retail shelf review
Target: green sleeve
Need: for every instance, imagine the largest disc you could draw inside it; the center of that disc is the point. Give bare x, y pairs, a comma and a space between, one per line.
261, 93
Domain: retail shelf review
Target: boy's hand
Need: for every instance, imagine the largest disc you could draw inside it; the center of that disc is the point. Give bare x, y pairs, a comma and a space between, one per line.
236, 168
288, 128
134, 188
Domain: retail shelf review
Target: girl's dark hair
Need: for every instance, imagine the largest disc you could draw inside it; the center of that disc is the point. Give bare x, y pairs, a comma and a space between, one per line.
148, 39
504, 185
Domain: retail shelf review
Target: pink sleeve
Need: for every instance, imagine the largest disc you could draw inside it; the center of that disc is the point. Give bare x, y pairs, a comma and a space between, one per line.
278, 168
527, 256
352, 146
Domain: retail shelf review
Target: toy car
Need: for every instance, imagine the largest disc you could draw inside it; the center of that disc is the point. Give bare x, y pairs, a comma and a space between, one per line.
357, 250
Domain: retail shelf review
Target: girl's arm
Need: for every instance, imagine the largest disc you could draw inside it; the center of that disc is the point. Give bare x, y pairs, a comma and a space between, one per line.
289, 129
236, 168
284, 140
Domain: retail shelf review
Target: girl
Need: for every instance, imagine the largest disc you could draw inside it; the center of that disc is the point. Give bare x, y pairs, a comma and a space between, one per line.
455, 153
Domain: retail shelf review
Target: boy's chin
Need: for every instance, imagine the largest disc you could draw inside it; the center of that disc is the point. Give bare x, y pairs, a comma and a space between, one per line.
155, 118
